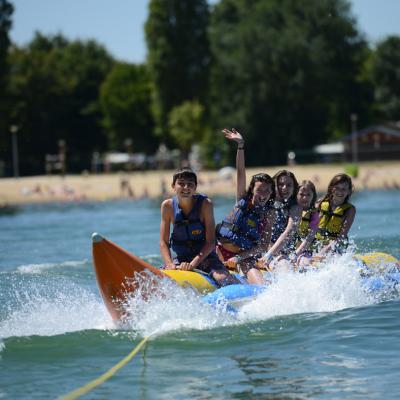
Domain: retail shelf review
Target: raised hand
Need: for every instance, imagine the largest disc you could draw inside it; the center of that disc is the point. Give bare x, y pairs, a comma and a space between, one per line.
233, 135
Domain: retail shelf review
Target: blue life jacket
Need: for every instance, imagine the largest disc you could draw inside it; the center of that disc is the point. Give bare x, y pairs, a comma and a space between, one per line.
242, 226
188, 234
282, 218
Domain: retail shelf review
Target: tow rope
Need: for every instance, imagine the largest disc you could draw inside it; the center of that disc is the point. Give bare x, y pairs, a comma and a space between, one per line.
107, 375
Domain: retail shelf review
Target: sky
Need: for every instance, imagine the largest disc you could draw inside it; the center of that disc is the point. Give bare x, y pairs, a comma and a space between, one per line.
118, 24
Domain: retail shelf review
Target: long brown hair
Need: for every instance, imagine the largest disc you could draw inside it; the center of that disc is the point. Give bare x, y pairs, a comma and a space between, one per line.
265, 178
285, 172
337, 179
311, 186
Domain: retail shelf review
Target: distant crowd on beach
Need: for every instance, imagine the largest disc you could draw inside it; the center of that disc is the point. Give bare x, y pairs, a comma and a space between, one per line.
153, 184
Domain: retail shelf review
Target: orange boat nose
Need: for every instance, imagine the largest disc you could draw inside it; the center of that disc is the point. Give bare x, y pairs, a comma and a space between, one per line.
113, 267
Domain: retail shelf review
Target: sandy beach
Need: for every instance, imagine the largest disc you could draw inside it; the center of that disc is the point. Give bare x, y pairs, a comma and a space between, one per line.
135, 185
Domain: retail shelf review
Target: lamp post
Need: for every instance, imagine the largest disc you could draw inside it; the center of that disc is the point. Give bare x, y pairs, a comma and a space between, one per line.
61, 156
128, 144
14, 145
354, 147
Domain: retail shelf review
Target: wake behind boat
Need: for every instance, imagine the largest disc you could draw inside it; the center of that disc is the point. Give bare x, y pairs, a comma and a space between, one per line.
120, 274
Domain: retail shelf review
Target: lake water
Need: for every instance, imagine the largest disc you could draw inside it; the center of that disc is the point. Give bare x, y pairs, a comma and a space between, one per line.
318, 336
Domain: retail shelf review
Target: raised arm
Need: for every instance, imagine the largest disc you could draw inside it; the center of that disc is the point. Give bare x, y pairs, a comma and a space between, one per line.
240, 164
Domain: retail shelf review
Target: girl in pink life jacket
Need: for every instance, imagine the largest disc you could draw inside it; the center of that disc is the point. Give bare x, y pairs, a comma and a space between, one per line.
308, 226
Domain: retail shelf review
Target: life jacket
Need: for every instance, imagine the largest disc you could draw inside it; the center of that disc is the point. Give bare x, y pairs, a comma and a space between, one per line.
244, 225
304, 226
281, 221
188, 234
330, 222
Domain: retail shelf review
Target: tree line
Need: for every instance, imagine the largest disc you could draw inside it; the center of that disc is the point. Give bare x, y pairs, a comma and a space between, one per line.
287, 73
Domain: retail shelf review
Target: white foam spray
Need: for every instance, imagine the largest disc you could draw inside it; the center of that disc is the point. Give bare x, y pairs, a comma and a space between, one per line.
48, 311
334, 287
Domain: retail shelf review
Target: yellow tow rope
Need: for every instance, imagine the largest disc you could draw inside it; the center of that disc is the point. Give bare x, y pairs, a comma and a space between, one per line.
107, 375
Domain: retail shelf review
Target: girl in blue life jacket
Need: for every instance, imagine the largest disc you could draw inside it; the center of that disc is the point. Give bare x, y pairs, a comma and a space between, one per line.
308, 226
336, 215
193, 230
245, 233
288, 214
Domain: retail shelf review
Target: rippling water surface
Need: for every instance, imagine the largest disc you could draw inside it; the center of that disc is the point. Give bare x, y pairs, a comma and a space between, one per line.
319, 335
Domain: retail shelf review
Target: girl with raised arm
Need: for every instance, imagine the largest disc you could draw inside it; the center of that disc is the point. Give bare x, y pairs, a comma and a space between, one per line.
246, 232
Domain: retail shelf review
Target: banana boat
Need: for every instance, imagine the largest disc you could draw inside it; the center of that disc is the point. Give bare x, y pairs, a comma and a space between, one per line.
119, 273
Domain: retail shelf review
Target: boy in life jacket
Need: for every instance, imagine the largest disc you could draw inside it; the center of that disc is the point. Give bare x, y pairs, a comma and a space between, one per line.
193, 230
245, 233
287, 219
336, 215
308, 226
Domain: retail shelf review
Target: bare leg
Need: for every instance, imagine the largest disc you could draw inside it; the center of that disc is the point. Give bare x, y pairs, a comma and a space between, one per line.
283, 265
255, 277
225, 278
253, 274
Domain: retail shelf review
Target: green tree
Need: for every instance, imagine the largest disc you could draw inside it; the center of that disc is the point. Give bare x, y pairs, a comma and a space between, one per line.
126, 103
55, 88
385, 70
6, 11
178, 55
186, 125
285, 72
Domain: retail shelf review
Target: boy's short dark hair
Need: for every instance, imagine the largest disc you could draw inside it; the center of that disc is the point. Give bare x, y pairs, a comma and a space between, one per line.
184, 173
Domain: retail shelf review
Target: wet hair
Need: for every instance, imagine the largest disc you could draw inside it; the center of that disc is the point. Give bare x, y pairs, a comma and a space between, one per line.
311, 186
337, 179
184, 173
284, 172
264, 178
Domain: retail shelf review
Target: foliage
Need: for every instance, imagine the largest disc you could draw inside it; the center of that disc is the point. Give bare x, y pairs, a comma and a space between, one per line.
385, 72
285, 72
6, 11
126, 103
178, 55
54, 85
351, 170
186, 125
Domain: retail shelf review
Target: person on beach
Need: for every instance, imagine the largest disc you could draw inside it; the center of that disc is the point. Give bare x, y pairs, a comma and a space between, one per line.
193, 230
308, 226
288, 214
336, 215
245, 233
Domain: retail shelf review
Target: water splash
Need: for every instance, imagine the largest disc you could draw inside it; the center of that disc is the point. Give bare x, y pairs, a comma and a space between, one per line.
335, 286
56, 305
170, 308
52, 308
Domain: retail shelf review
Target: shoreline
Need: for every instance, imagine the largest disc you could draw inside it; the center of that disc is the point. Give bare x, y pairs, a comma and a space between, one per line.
157, 184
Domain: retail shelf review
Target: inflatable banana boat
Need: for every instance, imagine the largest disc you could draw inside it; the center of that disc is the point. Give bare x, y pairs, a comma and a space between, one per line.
120, 273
